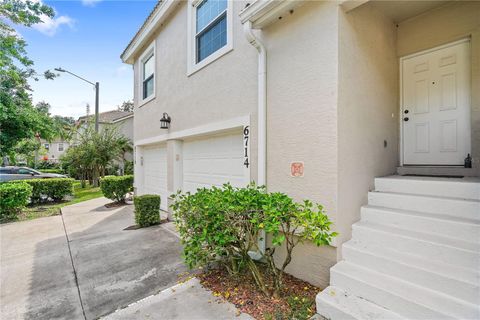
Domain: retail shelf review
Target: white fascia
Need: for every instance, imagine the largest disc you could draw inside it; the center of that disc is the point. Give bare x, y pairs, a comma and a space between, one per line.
155, 21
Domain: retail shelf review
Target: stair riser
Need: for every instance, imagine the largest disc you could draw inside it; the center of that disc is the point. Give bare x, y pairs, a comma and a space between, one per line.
336, 303
429, 187
462, 290
394, 297
462, 231
428, 250
329, 311
441, 206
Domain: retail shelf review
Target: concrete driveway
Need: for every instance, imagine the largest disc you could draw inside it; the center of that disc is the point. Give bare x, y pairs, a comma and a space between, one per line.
84, 264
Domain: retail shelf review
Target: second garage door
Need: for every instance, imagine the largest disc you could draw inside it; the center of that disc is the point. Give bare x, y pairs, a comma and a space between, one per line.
214, 161
155, 173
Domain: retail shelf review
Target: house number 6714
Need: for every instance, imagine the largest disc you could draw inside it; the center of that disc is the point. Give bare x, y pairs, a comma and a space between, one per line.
246, 133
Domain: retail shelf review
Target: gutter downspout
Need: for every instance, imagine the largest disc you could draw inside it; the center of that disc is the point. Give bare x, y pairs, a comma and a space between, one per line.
262, 117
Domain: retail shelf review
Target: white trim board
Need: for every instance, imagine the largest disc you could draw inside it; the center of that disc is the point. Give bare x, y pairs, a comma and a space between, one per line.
215, 127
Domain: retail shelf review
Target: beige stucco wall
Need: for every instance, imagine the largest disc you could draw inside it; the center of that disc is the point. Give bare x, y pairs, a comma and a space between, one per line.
367, 109
302, 118
448, 23
224, 89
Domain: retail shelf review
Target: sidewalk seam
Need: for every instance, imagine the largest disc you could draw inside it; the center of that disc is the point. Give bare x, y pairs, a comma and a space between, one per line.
73, 266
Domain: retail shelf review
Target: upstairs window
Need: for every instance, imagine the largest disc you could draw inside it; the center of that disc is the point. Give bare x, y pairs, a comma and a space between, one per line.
209, 32
211, 27
60, 147
148, 68
145, 82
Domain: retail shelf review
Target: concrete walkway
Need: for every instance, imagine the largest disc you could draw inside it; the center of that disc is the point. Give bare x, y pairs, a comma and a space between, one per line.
83, 264
189, 301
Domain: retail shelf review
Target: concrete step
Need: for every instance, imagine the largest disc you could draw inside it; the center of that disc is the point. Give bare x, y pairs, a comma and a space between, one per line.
336, 303
394, 265
454, 271
407, 299
454, 207
446, 226
465, 188
435, 248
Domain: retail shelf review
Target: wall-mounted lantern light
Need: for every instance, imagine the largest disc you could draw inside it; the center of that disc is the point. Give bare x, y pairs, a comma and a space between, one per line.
165, 121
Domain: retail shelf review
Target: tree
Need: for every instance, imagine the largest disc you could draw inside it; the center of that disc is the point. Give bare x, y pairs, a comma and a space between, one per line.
94, 152
19, 119
126, 106
64, 127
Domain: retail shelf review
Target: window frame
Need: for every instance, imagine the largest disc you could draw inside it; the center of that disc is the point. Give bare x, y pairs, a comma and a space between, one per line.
192, 64
150, 52
60, 144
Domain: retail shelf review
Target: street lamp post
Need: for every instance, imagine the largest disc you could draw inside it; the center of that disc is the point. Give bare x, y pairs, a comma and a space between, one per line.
97, 89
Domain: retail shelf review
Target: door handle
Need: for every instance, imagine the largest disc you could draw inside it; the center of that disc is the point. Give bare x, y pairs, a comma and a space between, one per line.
405, 119
406, 111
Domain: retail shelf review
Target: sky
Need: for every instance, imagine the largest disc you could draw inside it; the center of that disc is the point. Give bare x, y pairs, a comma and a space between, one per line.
85, 37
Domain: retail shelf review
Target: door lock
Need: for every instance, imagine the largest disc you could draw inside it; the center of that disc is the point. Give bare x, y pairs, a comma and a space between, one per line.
406, 111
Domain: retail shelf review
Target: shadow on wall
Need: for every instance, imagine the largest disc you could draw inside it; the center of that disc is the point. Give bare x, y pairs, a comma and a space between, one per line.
115, 267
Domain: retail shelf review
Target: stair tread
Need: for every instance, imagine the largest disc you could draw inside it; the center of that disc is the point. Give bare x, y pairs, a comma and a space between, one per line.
429, 215
468, 180
421, 236
433, 197
401, 288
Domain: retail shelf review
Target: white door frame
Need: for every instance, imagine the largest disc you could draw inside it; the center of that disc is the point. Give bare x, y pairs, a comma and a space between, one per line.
400, 118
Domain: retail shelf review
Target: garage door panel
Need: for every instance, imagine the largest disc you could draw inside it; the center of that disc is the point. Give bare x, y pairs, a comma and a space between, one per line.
155, 173
214, 161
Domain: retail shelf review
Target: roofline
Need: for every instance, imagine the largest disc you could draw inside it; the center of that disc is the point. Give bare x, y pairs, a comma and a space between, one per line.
123, 118
160, 13
262, 13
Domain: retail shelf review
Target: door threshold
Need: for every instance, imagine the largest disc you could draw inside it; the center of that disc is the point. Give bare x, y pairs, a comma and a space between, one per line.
438, 171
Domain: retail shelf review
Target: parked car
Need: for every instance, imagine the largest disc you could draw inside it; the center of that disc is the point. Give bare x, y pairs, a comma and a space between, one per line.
23, 173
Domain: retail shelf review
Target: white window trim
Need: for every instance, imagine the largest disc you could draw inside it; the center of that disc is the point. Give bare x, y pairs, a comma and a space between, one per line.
151, 50
192, 65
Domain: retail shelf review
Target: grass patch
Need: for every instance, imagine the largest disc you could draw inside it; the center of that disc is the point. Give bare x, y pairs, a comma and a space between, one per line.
52, 209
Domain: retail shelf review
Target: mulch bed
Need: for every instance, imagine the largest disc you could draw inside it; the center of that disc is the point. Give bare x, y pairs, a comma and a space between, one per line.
297, 301
115, 204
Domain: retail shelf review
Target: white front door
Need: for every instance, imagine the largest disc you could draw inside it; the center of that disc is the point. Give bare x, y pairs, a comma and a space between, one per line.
436, 106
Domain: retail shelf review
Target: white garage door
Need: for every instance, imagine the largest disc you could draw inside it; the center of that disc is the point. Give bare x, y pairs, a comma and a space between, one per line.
155, 173
214, 161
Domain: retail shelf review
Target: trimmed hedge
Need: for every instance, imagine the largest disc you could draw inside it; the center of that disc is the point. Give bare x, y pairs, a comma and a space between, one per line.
53, 188
147, 210
59, 171
13, 198
115, 188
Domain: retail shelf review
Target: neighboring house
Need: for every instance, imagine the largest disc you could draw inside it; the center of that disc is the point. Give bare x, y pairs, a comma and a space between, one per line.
55, 149
317, 99
121, 120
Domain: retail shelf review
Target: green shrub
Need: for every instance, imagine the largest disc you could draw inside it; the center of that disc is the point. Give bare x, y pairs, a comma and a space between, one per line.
222, 225
115, 188
59, 171
13, 197
49, 189
147, 210
128, 169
